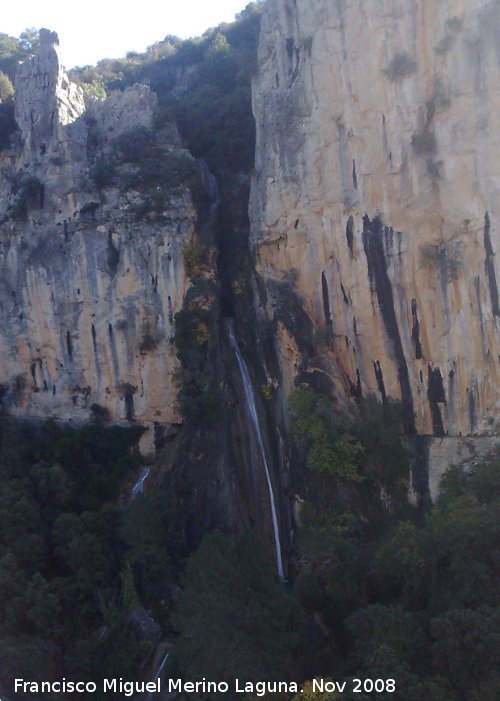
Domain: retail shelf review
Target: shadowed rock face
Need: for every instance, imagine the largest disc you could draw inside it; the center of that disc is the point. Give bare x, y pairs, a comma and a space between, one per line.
378, 144
88, 289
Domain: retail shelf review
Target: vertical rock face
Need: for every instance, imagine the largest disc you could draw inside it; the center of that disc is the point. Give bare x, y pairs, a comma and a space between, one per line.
375, 207
90, 279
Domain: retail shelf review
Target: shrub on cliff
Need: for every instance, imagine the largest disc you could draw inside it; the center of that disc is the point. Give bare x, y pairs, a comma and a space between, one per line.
330, 448
29, 194
6, 88
198, 398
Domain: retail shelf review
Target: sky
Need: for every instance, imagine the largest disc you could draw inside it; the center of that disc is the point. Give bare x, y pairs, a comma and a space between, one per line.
94, 29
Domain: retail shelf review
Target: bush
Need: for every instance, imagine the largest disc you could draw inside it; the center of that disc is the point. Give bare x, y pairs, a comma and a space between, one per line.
446, 258
401, 66
429, 256
267, 394
99, 414
19, 383
424, 142
6, 88
29, 194
199, 400
149, 340
193, 254
191, 336
103, 172
127, 389
330, 448
8, 124
135, 145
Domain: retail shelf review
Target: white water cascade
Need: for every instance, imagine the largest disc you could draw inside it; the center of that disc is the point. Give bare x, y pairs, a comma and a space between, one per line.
138, 487
254, 419
159, 671
210, 186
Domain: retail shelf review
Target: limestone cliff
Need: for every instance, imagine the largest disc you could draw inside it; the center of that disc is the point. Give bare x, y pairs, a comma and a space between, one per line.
375, 206
91, 265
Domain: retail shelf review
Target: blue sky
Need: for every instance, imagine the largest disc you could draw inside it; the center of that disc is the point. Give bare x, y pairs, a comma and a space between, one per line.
95, 29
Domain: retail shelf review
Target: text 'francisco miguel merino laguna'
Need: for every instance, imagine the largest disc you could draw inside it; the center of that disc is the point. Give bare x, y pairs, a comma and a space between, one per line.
129, 688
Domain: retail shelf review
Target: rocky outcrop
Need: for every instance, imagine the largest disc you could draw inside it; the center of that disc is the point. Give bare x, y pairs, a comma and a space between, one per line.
375, 206
46, 101
91, 264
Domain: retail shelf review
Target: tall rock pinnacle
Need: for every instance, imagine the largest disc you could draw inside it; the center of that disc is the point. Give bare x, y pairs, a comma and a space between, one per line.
46, 99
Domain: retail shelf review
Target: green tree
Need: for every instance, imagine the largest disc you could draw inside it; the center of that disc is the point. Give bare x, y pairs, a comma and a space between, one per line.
233, 617
466, 651
145, 538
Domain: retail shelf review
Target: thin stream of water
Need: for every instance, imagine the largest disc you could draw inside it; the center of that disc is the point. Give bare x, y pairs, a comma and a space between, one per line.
254, 418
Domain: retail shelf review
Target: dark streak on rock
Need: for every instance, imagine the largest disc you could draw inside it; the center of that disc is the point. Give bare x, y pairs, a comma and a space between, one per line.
326, 299
344, 295
69, 345
415, 331
290, 312
113, 255
349, 233
326, 309
436, 395
471, 408
379, 376
451, 390
94, 339
129, 406
354, 176
477, 286
377, 269
355, 389
489, 266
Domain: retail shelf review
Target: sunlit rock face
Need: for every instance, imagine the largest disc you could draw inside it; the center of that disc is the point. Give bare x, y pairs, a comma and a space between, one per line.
375, 205
46, 101
90, 279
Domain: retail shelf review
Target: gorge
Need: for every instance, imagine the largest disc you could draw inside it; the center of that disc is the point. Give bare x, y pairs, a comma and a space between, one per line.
271, 256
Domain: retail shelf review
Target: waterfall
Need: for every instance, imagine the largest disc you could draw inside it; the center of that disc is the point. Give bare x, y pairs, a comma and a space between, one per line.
210, 186
159, 671
138, 487
254, 419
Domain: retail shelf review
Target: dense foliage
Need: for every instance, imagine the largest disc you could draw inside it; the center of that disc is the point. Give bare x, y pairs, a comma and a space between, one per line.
203, 84
198, 399
401, 594
72, 563
234, 618
380, 591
